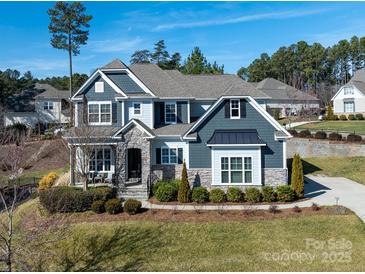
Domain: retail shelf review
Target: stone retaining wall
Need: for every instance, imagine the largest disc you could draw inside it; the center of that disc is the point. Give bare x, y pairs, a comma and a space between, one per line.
323, 148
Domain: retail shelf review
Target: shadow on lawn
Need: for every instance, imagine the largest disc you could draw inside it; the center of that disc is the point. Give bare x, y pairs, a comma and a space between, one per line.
308, 168
122, 249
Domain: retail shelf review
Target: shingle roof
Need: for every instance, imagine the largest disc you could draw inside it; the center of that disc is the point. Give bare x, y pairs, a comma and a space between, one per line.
280, 91
358, 80
115, 64
235, 137
172, 130
50, 92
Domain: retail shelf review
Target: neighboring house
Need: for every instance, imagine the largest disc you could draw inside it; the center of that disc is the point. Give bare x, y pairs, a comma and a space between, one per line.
286, 99
350, 98
146, 121
41, 104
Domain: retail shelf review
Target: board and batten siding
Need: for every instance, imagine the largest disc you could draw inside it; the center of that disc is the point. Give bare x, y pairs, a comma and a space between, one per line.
170, 143
358, 98
200, 153
146, 115
254, 153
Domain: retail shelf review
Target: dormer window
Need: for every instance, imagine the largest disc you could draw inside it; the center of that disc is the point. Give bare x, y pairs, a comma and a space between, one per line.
235, 108
348, 90
99, 87
170, 113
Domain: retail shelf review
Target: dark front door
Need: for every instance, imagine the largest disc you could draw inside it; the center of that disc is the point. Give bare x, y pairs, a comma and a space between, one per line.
134, 163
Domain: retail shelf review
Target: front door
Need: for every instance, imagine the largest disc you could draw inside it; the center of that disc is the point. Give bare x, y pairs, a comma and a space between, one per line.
134, 163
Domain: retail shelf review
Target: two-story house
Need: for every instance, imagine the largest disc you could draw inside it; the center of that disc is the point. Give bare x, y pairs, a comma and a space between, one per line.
146, 121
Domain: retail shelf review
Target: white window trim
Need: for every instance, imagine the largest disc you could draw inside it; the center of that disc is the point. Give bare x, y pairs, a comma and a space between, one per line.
48, 104
239, 109
169, 155
100, 103
95, 161
229, 170
99, 87
348, 90
140, 108
170, 103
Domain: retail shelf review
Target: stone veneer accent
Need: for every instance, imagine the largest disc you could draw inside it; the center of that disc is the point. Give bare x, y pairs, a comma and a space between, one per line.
132, 139
275, 176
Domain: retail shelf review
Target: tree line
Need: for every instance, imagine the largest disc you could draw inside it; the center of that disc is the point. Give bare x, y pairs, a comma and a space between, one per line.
310, 67
195, 63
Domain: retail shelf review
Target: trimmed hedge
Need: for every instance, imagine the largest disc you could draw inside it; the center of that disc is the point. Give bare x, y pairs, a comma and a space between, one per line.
132, 206
359, 116
253, 195
234, 194
268, 194
113, 206
98, 206
217, 195
285, 193
200, 194
351, 117
343, 117
320, 135
305, 134
353, 138
335, 136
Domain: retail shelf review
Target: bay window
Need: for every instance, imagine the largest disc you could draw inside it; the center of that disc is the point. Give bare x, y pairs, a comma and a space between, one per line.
99, 113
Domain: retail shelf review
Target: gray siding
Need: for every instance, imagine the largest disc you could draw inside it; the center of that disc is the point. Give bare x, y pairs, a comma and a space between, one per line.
182, 113
272, 153
124, 82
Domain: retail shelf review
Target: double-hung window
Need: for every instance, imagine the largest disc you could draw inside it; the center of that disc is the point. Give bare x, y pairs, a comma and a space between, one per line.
137, 108
235, 108
100, 160
170, 113
169, 155
348, 90
99, 113
234, 171
349, 106
48, 105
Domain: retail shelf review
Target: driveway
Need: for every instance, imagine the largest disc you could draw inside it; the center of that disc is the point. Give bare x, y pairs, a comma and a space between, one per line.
324, 190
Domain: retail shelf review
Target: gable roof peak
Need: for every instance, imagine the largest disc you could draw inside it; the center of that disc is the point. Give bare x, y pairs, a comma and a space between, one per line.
115, 64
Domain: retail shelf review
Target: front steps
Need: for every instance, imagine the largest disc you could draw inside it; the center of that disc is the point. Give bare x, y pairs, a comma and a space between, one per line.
134, 192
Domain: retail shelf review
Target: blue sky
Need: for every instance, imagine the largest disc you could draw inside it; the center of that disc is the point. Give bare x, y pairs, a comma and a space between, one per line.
232, 33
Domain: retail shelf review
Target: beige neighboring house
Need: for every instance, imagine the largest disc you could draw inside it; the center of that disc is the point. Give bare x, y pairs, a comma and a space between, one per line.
287, 99
350, 98
43, 103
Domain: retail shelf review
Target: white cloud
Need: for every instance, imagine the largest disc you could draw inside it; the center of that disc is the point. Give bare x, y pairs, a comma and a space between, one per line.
115, 45
238, 19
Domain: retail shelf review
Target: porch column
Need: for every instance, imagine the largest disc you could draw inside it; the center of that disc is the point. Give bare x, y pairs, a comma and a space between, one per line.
72, 164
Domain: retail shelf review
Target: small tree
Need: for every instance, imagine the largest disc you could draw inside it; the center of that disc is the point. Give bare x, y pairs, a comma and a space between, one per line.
297, 177
330, 115
183, 194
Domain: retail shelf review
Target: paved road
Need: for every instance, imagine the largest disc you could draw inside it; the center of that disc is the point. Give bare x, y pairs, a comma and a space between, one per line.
321, 190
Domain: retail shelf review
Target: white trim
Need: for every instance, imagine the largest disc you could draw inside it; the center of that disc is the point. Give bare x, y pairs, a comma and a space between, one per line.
140, 83
153, 114
123, 114
169, 155
236, 145
76, 117
96, 72
99, 87
284, 154
239, 109
91, 144
150, 136
188, 111
111, 83
99, 103
171, 103
252, 102
140, 108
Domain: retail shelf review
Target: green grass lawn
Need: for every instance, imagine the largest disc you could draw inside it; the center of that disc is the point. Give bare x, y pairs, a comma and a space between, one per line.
201, 246
349, 167
345, 126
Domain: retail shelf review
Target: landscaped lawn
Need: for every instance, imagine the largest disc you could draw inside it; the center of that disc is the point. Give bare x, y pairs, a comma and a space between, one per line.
349, 167
343, 126
121, 244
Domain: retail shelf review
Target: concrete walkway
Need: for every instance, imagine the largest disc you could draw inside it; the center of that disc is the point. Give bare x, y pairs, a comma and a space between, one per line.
296, 124
319, 189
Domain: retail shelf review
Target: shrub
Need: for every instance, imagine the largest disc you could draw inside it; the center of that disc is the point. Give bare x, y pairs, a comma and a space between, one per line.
273, 209
102, 193
217, 195
200, 194
285, 193
351, 117
359, 116
305, 134
268, 194
234, 194
132, 206
155, 186
329, 114
320, 135
175, 184
293, 132
183, 193
335, 136
336, 117
253, 195
297, 176
65, 199
354, 138
343, 117
47, 181
166, 192
98, 206
113, 206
